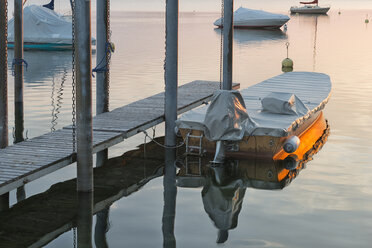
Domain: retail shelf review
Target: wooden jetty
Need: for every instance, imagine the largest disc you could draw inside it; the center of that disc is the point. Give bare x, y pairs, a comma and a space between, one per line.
36, 157
55, 210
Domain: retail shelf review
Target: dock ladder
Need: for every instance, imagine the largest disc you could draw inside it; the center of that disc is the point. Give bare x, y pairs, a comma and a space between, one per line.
194, 150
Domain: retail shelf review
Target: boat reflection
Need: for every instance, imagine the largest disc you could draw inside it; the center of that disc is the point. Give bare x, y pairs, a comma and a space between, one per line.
224, 185
245, 36
44, 66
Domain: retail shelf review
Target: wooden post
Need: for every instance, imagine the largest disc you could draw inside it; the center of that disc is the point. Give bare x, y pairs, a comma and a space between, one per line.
18, 71
171, 71
102, 83
228, 43
170, 194
4, 199
83, 58
85, 220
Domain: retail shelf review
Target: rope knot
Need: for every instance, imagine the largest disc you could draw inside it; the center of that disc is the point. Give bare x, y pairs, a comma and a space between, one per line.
110, 48
18, 61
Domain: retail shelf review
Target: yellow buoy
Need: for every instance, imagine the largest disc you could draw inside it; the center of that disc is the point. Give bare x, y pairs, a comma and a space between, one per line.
366, 20
287, 62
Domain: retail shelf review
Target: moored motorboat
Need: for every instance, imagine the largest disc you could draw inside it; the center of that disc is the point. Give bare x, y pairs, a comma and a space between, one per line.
250, 18
310, 8
266, 119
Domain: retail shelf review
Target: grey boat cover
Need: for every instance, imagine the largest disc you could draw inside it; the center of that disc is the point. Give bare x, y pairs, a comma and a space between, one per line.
42, 25
273, 107
226, 117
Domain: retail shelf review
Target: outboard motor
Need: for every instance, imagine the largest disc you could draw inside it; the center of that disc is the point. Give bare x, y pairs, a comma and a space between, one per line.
49, 5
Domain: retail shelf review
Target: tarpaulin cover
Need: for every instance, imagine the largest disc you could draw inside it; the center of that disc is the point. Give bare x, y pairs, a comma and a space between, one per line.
226, 117
42, 25
283, 103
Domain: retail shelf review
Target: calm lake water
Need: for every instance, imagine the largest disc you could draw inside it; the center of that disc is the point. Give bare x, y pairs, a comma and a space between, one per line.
327, 205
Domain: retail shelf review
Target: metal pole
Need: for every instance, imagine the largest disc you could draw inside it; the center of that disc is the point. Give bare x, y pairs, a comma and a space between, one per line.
3, 75
102, 83
4, 199
18, 70
171, 71
83, 58
228, 43
84, 220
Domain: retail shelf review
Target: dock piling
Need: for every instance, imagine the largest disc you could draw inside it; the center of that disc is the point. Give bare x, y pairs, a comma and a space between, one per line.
228, 43
83, 59
3, 75
18, 71
102, 81
4, 199
171, 71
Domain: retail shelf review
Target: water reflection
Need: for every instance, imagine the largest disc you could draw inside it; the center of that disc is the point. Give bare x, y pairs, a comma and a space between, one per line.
44, 66
84, 220
248, 36
170, 194
224, 185
60, 208
57, 99
310, 22
102, 227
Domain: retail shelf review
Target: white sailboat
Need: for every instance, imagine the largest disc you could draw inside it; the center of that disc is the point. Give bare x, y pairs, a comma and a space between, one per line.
310, 8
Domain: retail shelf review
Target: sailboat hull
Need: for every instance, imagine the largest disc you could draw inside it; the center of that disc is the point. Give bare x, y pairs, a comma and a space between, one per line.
309, 10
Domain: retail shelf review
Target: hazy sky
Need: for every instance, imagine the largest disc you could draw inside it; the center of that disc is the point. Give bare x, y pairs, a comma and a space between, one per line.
207, 5
212, 5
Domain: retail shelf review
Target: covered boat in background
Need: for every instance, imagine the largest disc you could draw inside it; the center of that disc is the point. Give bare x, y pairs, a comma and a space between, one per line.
43, 29
250, 18
310, 8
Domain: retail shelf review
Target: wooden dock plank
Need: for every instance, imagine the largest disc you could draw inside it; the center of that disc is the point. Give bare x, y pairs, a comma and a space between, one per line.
49, 152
